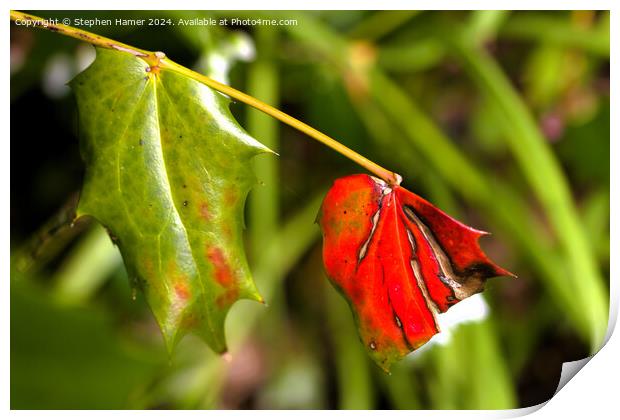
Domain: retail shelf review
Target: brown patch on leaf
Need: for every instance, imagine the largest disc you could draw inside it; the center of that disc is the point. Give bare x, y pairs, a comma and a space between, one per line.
181, 288
148, 268
203, 211
190, 321
227, 298
230, 196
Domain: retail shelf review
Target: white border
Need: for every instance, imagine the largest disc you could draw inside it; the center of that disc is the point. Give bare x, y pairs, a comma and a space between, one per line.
594, 391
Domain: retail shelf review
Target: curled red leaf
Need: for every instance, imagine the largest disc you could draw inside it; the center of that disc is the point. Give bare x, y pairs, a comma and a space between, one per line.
399, 261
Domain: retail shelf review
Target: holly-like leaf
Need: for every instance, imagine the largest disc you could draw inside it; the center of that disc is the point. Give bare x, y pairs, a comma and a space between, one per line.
167, 173
398, 261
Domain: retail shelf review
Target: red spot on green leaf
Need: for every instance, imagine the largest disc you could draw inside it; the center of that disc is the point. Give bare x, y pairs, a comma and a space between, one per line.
223, 273
182, 290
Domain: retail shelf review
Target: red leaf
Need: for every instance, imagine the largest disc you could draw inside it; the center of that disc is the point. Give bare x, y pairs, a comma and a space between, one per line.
399, 261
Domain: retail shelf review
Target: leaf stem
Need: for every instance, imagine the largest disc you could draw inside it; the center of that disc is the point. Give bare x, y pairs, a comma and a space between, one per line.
50, 239
159, 59
388, 176
24, 19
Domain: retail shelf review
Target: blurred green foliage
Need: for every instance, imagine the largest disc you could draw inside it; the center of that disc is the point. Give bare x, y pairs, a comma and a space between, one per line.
499, 118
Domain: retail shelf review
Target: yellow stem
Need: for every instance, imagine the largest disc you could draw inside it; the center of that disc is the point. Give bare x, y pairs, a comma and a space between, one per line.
159, 59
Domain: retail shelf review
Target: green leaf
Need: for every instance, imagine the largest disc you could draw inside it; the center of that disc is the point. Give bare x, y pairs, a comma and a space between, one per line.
167, 173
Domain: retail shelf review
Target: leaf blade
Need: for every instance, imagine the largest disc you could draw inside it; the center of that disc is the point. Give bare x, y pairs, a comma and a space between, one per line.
398, 261
168, 174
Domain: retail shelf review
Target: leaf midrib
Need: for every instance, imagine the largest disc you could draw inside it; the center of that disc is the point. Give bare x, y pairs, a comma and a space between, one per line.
166, 179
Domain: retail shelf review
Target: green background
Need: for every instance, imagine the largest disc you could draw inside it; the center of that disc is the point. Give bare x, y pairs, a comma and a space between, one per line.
499, 118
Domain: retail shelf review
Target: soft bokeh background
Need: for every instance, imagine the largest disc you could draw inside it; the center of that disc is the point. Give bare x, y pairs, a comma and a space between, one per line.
499, 118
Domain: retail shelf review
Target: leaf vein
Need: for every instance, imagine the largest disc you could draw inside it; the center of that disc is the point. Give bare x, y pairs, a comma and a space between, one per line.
178, 214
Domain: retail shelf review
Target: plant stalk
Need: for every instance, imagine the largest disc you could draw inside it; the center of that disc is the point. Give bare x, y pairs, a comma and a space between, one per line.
159, 60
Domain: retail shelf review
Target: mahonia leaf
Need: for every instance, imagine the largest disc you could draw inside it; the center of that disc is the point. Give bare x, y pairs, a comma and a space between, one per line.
167, 173
398, 261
